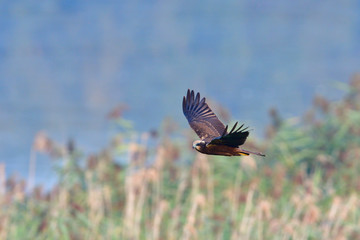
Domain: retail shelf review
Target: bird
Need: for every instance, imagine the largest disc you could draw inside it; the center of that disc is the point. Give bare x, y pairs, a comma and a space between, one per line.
215, 139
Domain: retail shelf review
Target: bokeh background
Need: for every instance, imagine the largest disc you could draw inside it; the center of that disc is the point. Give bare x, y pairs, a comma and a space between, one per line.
65, 64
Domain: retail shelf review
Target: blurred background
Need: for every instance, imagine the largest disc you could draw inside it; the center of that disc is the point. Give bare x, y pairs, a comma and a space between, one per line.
64, 65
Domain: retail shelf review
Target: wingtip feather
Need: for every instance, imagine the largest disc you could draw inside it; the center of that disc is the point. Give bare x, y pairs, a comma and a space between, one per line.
237, 130
197, 98
184, 104
232, 130
225, 131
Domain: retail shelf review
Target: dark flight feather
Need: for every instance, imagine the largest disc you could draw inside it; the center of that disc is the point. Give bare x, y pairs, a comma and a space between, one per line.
234, 138
201, 118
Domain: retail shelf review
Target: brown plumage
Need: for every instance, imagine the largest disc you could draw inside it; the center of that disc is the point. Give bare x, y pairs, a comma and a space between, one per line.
214, 136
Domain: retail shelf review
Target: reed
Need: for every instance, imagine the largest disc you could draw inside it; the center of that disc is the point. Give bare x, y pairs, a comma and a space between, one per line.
306, 188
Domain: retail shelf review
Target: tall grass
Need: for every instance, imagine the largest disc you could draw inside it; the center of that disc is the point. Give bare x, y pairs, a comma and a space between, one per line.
306, 188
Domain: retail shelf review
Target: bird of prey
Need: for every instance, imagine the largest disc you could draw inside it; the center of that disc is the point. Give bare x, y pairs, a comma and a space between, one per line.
214, 136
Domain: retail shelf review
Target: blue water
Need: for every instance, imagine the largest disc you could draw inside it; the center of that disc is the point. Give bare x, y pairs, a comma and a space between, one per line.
65, 64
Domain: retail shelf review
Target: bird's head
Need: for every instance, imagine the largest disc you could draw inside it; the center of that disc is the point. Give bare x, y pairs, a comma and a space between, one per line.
198, 144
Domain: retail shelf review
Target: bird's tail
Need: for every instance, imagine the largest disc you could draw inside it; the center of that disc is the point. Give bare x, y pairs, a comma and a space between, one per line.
246, 153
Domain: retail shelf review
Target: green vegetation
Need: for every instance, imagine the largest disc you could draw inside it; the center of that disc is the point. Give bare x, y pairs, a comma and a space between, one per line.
306, 188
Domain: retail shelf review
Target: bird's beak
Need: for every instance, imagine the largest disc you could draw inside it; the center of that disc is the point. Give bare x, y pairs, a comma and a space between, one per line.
196, 147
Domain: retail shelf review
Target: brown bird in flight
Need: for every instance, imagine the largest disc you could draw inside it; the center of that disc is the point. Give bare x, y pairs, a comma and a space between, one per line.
214, 136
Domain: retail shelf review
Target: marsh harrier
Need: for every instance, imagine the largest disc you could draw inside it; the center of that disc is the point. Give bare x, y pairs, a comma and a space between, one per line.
214, 136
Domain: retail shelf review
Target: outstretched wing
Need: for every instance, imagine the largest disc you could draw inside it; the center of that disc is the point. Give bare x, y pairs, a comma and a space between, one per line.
234, 138
204, 121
